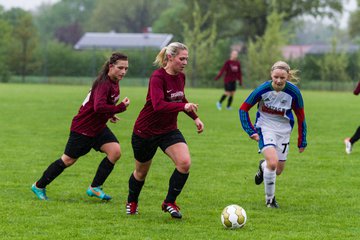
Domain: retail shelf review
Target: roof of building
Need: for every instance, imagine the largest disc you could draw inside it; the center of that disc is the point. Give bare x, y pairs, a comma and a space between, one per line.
113, 40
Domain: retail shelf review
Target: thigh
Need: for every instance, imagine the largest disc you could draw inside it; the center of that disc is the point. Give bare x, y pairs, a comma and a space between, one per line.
144, 149
78, 145
106, 136
178, 152
282, 146
266, 139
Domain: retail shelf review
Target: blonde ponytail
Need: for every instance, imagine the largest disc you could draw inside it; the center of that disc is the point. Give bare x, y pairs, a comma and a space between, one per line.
172, 49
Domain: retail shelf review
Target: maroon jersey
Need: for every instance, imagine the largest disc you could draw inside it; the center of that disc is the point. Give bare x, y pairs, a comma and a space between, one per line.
98, 107
357, 89
164, 100
232, 71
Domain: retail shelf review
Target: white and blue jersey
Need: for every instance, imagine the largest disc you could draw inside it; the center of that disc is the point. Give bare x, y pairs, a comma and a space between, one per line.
275, 111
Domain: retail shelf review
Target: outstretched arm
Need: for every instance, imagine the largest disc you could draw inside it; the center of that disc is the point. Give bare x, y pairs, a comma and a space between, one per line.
222, 70
357, 89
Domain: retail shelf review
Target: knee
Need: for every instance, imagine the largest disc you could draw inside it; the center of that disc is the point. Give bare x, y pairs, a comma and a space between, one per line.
272, 165
278, 172
140, 175
183, 166
114, 155
68, 161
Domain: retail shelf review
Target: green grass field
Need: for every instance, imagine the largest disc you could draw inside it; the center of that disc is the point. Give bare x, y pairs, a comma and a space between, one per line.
318, 192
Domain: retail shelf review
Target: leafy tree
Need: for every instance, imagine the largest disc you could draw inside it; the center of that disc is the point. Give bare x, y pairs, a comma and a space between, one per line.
129, 16
5, 41
244, 19
333, 66
201, 42
354, 23
266, 50
54, 20
24, 41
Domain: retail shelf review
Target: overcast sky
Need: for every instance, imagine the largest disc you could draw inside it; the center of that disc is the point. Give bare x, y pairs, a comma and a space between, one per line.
349, 6
25, 4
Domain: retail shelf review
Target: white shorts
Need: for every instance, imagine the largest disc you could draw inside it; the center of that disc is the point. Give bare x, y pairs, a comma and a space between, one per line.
281, 142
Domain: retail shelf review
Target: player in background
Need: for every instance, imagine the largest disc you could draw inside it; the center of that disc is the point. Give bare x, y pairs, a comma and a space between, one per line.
276, 100
88, 129
349, 142
232, 70
156, 126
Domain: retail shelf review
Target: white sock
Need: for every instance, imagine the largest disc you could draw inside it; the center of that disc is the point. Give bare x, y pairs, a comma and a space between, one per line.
263, 165
269, 183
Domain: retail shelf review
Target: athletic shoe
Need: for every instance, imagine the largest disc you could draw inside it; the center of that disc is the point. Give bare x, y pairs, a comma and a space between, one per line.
39, 192
171, 208
218, 105
259, 177
131, 208
272, 203
348, 147
229, 108
97, 192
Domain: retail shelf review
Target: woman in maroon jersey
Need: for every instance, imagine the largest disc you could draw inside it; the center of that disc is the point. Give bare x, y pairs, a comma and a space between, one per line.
350, 141
156, 126
89, 130
232, 71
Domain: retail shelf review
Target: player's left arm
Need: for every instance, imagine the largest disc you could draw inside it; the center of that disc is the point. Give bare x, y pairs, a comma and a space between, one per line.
100, 101
298, 107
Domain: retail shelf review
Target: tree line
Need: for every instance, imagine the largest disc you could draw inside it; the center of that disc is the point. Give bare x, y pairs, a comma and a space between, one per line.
41, 42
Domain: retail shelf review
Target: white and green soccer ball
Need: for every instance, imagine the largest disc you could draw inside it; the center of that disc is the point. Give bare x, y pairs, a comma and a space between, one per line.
233, 216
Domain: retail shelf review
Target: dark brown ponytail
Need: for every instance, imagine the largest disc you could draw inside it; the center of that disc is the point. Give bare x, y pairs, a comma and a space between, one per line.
103, 74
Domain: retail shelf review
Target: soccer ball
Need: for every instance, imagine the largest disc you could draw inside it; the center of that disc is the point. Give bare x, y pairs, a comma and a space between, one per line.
233, 216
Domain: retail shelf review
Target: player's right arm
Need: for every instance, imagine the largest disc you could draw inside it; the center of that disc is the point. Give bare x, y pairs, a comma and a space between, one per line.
158, 99
251, 100
222, 70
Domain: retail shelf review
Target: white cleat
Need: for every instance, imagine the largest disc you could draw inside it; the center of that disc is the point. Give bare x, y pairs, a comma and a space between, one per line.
348, 147
218, 105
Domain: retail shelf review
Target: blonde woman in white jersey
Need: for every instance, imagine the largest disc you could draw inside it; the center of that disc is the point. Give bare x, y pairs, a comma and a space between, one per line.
276, 100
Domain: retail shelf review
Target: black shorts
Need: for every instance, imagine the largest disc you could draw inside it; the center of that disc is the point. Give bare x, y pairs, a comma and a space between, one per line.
230, 86
145, 148
78, 145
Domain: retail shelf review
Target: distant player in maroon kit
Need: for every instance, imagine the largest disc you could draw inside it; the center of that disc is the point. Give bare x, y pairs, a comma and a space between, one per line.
349, 142
156, 126
232, 70
89, 130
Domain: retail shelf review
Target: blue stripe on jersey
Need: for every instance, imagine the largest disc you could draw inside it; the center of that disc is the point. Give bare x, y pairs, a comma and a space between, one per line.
294, 92
290, 115
255, 96
252, 99
245, 122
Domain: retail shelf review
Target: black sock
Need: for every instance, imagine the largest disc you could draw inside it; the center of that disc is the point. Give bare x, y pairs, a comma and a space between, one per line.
176, 184
54, 170
102, 173
356, 136
230, 99
222, 98
135, 187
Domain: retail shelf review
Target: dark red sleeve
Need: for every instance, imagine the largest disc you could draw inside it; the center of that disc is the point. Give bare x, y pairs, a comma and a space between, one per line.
240, 75
157, 97
100, 101
193, 115
357, 89
222, 70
